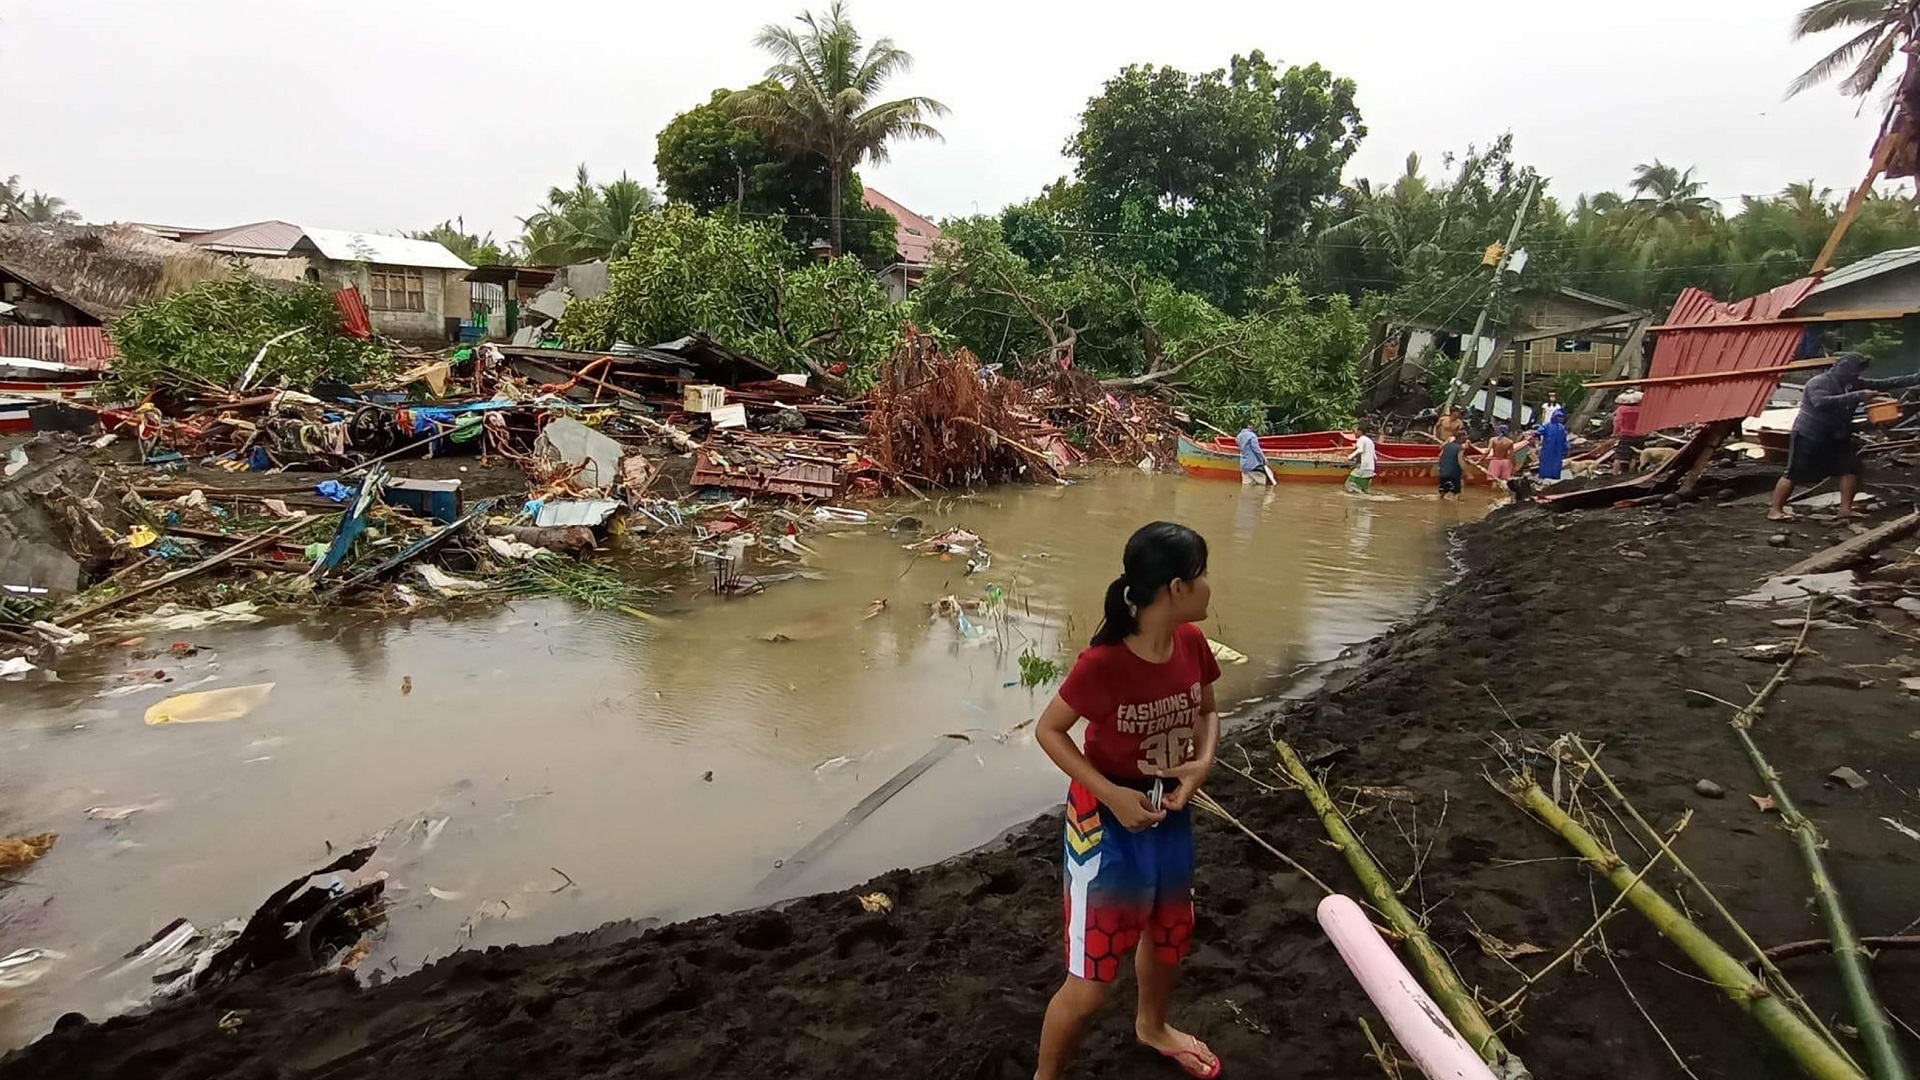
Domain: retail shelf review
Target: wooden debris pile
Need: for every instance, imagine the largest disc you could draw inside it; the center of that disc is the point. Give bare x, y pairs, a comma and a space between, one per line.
940, 419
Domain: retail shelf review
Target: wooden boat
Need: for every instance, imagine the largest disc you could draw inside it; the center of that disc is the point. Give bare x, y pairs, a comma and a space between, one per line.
1313, 457
14, 417
46, 380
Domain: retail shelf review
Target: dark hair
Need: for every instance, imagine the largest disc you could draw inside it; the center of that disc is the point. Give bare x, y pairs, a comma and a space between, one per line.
1157, 555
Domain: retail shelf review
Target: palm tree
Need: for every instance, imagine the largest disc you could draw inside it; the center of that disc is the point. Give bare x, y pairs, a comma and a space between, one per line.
20, 206
822, 98
585, 222
1663, 193
1885, 27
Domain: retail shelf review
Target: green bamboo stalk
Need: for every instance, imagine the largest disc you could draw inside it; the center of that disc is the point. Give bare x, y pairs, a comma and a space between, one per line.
1772, 970
1428, 961
1814, 1055
1882, 1045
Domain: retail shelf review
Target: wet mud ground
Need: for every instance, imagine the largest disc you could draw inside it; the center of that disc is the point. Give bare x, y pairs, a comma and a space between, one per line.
1598, 623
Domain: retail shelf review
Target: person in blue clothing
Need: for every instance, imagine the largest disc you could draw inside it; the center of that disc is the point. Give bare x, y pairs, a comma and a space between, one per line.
1823, 445
1253, 460
1553, 446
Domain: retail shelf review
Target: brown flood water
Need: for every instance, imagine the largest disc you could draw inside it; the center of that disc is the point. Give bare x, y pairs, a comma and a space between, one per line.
549, 737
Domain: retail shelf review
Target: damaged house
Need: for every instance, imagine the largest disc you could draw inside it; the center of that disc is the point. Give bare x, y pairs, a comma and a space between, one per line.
416, 290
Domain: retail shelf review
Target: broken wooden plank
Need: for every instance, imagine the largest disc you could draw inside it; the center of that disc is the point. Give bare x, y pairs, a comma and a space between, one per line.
1853, 549
1708, 376
413, 551
258, 540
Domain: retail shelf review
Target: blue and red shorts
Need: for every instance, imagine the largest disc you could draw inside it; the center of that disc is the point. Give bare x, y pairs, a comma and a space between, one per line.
1121, 885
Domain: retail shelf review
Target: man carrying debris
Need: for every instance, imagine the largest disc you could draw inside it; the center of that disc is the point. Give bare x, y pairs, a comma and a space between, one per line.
1823, 445
1253, 460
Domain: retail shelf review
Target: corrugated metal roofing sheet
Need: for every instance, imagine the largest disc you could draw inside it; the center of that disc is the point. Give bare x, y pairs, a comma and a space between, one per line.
342, 246
915, 236
259, 237
78, 346
1713, 349
1871, 266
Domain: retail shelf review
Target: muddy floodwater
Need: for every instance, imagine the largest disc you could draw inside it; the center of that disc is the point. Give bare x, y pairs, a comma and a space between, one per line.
544, 769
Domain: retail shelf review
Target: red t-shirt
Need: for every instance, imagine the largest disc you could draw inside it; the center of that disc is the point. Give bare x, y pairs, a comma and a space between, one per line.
1139, 713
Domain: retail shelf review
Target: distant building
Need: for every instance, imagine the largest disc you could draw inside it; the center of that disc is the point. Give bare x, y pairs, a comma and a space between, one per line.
913, 246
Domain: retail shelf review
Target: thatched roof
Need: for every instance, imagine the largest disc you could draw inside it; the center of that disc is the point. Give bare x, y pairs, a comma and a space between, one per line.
104, 270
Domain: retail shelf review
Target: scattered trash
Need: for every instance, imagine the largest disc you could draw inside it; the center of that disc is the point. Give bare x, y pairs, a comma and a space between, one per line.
877, 903
210, 706
1768, 651
875, 608
16, 460
19, 851
1764, 803
1911, 685
171, 618
24, 967
837, 515
445, 894
587, 512
574, 443
16, 668
441, 581
1797, 589
118, 813
406, 685
1847, 776
1901, 828
1500, 950
514, 549
1710, 789
168, 940
1226, 654
141, 536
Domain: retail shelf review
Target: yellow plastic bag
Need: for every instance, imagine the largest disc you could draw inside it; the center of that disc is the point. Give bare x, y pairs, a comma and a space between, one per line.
207, 706
141, 536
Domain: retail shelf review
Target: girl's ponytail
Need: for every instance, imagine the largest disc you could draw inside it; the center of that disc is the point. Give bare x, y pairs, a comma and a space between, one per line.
1156, 555
1120, 618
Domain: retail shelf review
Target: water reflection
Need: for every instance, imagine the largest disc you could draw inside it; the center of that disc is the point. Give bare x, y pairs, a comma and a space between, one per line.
552, 737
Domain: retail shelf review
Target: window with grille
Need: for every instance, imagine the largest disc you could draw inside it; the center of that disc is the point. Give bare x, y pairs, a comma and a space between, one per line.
396, 288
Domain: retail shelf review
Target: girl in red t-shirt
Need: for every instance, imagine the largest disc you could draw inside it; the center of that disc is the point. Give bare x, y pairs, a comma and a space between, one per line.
1145, 688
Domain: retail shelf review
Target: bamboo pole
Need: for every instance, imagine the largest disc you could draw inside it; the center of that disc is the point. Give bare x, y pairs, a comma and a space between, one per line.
1428, 961
1815, 1056
1777, 977
1884, 1059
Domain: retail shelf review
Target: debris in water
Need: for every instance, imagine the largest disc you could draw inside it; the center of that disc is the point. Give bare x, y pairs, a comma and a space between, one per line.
406, 685
19, 851
24, 967
210, 706
1226, 654
878, 903
16, 668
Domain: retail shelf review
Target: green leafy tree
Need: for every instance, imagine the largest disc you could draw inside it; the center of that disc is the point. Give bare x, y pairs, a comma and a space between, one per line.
822, 98
476, 250
1881, 30
709, 160
1211, 181
740, 283
206, 336
585, 222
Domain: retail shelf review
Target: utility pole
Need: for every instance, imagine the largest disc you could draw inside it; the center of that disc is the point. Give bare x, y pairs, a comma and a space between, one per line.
1480, 324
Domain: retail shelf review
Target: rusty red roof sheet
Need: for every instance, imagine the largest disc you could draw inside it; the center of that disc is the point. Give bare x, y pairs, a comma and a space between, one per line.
86, 347
915, 236
1719, 344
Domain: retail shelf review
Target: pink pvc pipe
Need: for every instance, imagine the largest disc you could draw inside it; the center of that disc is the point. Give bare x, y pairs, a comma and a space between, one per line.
1423, 1030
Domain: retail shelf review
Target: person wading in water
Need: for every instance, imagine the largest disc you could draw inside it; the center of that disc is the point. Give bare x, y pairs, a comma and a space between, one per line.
1145, 688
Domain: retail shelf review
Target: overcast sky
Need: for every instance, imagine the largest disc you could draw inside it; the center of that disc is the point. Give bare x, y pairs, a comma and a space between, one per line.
395, 115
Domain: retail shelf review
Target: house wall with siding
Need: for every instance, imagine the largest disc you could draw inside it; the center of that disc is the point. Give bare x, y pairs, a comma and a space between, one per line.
1543, 357
445, 292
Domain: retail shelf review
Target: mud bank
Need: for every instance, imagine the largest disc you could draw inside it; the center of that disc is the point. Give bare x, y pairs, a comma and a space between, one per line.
1598, 623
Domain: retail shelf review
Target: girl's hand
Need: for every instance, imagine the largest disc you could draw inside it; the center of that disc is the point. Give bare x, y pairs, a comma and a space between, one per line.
1133, 809
1191, 776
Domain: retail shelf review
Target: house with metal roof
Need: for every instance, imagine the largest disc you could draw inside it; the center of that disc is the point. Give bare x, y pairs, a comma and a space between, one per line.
1886, 285
914, 237
416, 290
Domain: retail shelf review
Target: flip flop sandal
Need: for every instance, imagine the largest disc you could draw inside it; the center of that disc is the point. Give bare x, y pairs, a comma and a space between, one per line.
1787, 515
1192, 1058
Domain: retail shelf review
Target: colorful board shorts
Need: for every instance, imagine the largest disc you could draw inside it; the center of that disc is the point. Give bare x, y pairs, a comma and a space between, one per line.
1500, 469
1121, 885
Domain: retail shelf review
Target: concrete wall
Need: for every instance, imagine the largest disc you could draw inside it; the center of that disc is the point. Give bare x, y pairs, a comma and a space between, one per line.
445, 291
1893, 290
